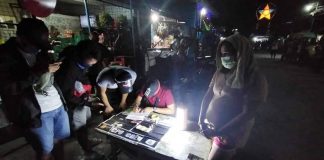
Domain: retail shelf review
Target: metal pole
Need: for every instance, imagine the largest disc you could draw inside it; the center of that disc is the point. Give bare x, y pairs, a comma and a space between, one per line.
313, 16
196, 20
87, 14
132, 22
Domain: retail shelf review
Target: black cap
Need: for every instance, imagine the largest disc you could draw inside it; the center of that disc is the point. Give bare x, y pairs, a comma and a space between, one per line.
124, 81
125, 87
151, 88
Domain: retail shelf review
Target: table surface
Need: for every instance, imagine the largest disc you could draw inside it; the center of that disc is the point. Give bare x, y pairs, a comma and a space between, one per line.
178, 144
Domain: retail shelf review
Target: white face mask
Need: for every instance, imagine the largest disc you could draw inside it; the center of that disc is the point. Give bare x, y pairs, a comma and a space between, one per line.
228, 62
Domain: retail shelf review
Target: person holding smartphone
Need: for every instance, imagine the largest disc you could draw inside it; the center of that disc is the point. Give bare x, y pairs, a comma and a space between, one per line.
34, 105
76, 88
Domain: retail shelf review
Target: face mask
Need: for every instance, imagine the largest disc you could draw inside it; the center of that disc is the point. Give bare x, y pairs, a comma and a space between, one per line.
228, 62
83, 65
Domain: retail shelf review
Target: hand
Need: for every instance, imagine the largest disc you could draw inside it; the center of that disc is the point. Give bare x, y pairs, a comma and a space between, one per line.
201, 122
224, 139
208, 133
97, 104
137, 109
108, 110
93, 99
123, 106
148, 110
52, 68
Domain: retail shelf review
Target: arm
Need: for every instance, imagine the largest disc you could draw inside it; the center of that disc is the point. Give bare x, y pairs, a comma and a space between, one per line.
169, 103
249, 111
104, 98
256, 98
169, 110
123, 104
10, 84
206, 100
137, 103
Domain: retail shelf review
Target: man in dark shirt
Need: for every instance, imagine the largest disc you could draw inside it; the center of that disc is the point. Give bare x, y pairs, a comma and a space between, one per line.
32, 103
76, 87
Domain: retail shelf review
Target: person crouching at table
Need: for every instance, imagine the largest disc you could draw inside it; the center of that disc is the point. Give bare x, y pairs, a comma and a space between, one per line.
109, 80
155, 97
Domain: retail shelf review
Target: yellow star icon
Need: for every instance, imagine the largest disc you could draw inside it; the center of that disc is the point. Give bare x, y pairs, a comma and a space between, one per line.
265, 13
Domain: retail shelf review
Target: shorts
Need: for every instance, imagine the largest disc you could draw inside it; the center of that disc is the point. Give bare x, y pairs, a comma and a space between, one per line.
80, 117
55, 126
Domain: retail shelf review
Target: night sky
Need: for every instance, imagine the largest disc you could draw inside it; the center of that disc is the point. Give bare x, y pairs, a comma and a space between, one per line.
242, 14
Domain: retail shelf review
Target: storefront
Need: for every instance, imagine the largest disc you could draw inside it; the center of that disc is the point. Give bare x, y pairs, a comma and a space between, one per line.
68, 24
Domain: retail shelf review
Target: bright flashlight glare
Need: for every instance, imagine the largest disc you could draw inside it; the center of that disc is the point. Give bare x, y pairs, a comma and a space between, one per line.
309, 7
255, 39
203, 11
181, 118
154, 17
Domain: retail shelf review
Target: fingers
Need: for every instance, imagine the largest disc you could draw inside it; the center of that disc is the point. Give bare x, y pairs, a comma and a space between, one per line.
141, 110
98, 104
57, 63
109, 110
138, 109
54, 67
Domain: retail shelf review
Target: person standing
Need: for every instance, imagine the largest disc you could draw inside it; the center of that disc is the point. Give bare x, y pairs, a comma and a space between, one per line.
98, 36
76, 88
274, 49
31, 98
235, 93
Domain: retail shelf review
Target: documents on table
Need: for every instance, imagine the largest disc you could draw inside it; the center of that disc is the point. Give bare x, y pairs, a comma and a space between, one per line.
137, 116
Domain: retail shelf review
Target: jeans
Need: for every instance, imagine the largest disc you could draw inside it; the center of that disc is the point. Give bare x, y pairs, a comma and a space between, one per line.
80, 117
55, 126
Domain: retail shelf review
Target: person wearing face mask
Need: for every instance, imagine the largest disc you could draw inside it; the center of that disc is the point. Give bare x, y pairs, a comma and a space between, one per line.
75, 85
35, 106
236, 91
115, 82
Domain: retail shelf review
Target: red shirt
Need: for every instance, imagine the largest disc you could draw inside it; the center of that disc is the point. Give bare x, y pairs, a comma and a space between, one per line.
164, 95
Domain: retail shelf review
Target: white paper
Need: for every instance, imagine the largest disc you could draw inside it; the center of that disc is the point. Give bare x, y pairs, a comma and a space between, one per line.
137, 116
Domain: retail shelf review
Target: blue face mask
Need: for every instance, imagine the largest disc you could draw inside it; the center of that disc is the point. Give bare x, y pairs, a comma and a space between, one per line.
228, 62
83, 65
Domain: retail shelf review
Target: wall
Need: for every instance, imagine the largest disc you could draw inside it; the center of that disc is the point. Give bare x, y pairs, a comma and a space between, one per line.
7, 15
63, 22
115, 11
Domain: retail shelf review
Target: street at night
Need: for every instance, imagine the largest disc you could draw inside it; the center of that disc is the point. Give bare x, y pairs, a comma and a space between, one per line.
161, 80
289, 126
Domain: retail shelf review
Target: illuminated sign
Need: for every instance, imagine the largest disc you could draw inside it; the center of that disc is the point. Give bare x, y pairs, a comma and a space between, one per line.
267, 12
